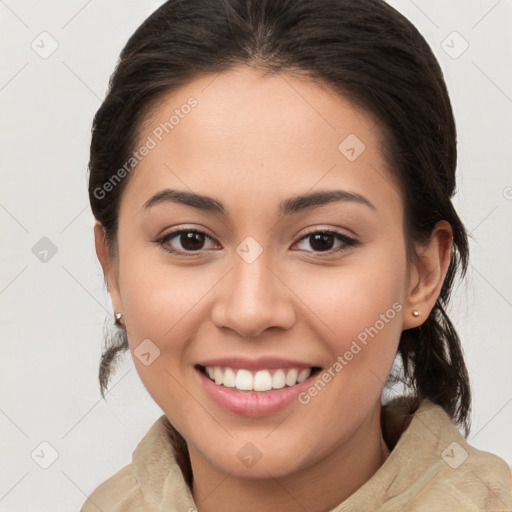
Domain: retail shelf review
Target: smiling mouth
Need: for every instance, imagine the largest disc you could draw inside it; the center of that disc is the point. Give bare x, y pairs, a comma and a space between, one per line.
242, 379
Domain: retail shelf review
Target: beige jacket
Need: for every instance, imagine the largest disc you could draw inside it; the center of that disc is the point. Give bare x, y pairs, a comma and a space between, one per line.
430, 469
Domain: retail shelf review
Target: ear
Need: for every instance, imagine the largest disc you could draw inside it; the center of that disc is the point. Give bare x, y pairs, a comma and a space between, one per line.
109, 265
428, 274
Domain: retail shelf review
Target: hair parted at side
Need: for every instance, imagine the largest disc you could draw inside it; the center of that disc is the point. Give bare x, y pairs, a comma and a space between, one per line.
367, 52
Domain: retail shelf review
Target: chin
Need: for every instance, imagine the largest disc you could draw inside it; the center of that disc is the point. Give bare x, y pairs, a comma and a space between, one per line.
259, 460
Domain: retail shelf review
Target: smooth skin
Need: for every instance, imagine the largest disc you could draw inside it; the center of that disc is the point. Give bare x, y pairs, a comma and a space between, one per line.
252, 142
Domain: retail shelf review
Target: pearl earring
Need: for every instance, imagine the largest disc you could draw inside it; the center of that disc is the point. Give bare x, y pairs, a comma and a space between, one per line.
415, 313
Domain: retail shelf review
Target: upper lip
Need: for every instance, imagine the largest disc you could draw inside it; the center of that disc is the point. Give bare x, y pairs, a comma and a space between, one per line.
260, 363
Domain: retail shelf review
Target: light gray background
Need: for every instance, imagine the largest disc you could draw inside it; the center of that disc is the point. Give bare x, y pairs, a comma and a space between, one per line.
52, 313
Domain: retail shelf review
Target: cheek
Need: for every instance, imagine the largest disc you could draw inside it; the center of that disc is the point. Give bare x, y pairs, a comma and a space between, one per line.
161, 305
364, 319
158, 296
360, 306
361, 294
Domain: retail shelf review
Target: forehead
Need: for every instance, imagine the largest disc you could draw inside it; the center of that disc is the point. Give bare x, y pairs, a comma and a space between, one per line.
264, 135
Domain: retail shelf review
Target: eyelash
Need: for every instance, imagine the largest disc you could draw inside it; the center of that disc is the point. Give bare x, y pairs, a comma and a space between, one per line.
347, 241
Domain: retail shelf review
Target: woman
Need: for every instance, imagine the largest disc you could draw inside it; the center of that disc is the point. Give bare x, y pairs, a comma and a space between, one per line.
272, 185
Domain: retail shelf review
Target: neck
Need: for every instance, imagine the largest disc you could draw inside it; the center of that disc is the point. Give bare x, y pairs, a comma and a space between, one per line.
319, 487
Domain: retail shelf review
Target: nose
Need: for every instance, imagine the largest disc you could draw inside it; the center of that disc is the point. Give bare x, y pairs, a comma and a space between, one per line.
252, 299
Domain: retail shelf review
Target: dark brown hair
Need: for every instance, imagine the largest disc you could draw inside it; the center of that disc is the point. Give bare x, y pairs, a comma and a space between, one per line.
367, 52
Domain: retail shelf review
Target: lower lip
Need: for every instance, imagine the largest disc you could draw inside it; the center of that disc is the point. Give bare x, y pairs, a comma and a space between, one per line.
253, 403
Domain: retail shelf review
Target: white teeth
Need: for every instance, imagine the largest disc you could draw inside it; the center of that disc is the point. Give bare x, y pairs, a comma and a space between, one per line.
229, 378
244, 380
262, 380
291, 377
218, 375
304, 374
278, 379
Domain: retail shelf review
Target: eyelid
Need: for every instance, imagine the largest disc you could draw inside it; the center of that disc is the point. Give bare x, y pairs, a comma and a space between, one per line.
186, 227
327, 229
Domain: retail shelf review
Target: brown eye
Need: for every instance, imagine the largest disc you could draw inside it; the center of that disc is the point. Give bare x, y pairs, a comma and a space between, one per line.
184, 241
192, 240
324, 241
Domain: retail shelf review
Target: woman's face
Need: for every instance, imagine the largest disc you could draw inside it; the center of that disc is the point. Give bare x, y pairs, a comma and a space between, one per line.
292, 258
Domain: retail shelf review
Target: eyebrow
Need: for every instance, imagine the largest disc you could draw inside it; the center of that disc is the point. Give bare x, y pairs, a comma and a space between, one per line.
289, 206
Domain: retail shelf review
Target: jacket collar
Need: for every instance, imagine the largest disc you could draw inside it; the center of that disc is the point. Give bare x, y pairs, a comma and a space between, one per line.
415, 439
